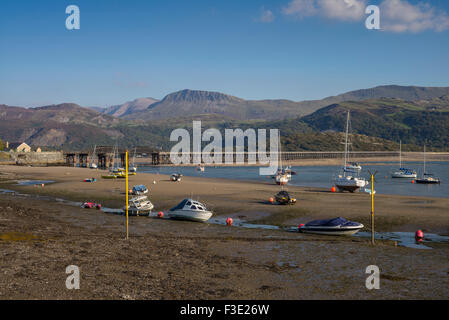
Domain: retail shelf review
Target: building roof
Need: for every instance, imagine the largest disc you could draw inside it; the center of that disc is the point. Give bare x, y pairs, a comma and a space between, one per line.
15, 145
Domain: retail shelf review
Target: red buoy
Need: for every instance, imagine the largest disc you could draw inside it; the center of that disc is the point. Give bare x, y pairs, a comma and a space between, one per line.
419, 236
413, 181
160, 214
333, 189
300, 226
229, 221
271, 200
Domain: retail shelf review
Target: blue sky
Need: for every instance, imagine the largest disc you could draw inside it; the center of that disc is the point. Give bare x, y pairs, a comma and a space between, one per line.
251, 49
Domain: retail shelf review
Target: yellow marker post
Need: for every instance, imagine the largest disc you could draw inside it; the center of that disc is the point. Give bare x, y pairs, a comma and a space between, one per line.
372, 209
126, 178
372, 205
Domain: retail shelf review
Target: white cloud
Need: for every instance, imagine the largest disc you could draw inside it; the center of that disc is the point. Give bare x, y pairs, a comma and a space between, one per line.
395, 15
401, 16
301, 8
345, 10
266, 16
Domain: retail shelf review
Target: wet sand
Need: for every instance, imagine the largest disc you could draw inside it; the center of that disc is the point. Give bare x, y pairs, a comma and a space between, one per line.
245, 199
166, 259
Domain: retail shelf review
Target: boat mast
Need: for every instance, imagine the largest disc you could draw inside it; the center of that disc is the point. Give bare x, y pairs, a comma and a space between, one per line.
400, 154
134, 155
346, 141
424, 159
115, 163
279, 150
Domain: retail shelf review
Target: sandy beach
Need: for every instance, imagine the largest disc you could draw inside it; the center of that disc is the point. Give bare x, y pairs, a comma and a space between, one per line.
165, 259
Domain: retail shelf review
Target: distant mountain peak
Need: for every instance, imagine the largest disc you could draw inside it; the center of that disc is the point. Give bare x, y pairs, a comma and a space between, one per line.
61, 106
188, 95
130, 107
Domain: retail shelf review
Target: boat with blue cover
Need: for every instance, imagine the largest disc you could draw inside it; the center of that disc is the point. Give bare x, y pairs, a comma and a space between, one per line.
336, 226
139, 190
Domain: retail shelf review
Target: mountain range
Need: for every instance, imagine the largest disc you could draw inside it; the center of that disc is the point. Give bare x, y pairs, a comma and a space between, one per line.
414, 115
195, 103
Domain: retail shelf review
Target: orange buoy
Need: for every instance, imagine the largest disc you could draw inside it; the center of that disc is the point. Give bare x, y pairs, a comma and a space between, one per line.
229, 221
271, 200
413, 181
333, 189
160, 214
419, 236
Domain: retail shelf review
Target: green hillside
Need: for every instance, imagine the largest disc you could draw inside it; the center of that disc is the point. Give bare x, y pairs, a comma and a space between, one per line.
413, 123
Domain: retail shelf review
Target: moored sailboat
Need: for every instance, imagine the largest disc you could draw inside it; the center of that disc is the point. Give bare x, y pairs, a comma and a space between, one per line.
346, 181
403, 172
427, 178
281, 177
92, 164
133, 169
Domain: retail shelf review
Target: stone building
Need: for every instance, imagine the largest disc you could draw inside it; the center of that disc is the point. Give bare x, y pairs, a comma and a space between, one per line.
18, 147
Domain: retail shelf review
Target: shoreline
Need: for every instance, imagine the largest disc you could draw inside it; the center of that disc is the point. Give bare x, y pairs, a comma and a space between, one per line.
238, 198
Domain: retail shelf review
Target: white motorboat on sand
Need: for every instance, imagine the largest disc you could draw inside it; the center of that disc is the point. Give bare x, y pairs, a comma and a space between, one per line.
192, 210
139, 206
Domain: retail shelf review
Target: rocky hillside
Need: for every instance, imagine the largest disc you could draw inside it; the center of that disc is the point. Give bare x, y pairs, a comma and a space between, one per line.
56, 125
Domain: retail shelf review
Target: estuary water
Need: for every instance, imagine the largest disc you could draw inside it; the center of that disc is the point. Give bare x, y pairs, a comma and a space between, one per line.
322, 176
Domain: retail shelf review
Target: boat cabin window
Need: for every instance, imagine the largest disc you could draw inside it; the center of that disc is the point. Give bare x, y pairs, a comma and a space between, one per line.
188, 203
193, 207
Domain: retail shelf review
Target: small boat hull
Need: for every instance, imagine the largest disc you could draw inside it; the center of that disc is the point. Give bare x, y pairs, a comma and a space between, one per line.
349, 183
139, 206
331, 231
138, 213
404, 173
403, 176
336, 226
189, 215
109, 177
281, 179
347, 188
425, 181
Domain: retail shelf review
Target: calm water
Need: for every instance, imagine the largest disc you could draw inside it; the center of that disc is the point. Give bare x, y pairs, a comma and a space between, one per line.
322, 176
